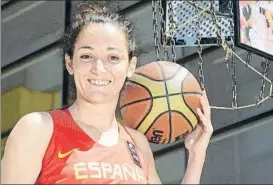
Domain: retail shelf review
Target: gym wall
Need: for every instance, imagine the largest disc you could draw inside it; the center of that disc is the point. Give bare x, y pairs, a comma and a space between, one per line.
31, 64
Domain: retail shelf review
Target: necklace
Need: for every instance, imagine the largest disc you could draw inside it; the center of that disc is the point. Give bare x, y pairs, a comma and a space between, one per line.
101, 130
108, 137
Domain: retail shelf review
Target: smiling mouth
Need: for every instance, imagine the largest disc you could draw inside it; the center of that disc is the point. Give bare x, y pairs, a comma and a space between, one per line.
99, 82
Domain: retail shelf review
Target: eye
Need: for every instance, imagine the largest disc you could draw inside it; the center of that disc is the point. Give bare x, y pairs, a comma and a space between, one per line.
86, 57
114, 58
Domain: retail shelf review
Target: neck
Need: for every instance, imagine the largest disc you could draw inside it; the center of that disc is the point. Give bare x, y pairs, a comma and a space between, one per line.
100, 116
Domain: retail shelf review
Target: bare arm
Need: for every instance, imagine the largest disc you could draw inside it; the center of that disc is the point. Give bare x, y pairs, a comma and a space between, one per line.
197, 143
25, 148
145, 149
193, 171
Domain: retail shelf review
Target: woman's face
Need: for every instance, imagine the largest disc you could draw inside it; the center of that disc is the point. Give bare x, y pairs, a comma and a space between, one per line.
100, 62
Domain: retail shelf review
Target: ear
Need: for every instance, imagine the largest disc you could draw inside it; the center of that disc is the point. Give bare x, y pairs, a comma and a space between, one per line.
132, 67
68, 64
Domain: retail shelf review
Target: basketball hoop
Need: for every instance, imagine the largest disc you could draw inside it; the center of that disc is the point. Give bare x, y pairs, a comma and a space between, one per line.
203, 23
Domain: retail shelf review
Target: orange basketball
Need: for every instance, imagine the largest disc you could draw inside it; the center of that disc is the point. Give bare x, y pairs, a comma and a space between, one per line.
161, 101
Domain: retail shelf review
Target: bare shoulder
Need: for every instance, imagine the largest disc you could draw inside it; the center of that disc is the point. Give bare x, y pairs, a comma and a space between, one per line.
37, 118
34, 122
140, 139
136, 134
32, 129
25, 148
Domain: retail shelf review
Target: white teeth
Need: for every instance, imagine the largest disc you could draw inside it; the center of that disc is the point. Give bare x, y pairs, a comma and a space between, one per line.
99, 82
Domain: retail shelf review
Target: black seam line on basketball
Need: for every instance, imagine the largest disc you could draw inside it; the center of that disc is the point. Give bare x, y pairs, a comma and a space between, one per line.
144, 117
156, 118
151, 97
182, 84
168, 101
191, 111
156, 97
184, 117
150, 94
140, 74
151, 104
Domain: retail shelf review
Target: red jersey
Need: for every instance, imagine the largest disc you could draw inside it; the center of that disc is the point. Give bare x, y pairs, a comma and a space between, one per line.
72, 157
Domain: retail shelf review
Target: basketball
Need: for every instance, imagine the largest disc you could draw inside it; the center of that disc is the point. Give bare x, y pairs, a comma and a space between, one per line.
161, 100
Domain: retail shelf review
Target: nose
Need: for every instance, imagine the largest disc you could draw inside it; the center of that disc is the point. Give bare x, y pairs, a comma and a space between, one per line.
98, 67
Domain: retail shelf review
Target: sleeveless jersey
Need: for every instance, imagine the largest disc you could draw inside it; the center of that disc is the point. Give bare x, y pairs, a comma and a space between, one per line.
72, 157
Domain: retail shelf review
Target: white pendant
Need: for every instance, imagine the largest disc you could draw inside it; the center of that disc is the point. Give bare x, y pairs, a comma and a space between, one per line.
109, 137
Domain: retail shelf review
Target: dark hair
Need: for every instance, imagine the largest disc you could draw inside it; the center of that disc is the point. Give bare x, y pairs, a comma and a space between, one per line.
93, 12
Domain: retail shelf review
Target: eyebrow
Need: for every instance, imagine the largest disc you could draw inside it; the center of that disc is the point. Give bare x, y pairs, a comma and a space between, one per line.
113, 48
86, 47
108, 49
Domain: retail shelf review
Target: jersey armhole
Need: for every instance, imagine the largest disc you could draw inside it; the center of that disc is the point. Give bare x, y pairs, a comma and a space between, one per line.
139, 152
51, 144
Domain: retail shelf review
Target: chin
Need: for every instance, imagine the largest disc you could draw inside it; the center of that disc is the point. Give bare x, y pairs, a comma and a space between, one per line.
97, 101
99, 98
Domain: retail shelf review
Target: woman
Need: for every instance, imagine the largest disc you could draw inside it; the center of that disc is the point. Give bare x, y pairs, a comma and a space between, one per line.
72, 145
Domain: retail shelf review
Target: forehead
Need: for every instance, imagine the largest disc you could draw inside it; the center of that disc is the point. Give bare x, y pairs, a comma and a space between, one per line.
102, 35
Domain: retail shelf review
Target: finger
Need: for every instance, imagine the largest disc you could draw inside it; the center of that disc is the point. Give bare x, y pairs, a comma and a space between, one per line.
196, 133
205, 107
205, 122
204, 95
205, 104
201, 115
